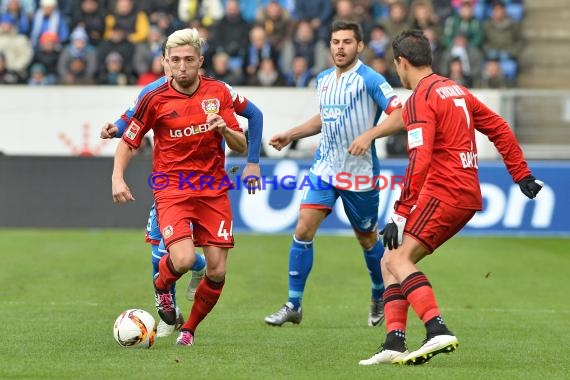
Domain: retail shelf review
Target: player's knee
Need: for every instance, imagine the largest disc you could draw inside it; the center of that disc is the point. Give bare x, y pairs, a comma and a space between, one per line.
216, 274
368, 240
389, 261
305, 231
182, 263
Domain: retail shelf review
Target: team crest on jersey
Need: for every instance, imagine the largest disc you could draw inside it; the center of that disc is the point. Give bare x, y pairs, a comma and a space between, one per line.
211, 105
133, 130
167, 232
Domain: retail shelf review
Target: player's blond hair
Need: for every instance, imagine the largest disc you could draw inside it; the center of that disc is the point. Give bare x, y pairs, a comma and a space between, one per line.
189, 36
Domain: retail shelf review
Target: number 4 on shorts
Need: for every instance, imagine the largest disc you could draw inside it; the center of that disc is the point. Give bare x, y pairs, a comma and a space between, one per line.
222, 232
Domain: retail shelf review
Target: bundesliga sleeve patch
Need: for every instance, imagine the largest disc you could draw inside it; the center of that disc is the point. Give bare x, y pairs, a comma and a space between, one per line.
387, 90
132, 131
415, 138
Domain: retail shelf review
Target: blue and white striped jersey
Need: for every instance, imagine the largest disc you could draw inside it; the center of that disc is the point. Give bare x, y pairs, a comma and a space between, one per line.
349, 106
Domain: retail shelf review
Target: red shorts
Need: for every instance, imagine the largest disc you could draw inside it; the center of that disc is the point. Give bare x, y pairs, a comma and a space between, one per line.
433, 222
206, 220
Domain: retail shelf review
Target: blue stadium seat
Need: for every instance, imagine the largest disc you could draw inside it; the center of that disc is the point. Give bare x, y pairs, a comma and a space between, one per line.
515, 11
510, 68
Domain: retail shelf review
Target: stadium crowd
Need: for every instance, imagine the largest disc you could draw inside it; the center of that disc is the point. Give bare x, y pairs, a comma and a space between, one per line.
249, 42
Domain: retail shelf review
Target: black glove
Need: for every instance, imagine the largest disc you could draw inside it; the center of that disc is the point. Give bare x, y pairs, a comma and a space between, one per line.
530, 186
393, 232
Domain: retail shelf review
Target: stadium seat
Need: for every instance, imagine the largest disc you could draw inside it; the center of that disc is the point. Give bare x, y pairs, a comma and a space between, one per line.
515, 11
509, 68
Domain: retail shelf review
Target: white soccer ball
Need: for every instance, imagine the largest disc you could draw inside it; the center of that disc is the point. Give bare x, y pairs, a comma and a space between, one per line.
135, 328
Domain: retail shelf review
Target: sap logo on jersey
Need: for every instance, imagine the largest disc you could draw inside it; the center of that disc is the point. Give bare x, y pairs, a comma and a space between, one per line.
331, 112
189, 131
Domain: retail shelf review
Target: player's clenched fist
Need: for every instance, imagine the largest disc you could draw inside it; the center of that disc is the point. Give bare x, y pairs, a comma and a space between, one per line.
108, 131
216, 122
280, 141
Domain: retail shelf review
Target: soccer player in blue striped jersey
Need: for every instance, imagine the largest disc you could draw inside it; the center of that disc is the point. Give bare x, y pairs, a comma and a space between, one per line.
352, 98
243, 107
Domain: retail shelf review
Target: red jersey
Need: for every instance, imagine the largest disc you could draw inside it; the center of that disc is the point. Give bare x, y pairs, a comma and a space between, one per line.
441, 117
184, 149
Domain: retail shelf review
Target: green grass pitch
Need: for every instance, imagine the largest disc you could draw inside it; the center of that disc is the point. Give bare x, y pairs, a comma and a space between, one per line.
507, 300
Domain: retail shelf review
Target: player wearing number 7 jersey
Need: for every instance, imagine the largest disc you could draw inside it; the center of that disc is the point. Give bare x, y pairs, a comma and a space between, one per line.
441, 193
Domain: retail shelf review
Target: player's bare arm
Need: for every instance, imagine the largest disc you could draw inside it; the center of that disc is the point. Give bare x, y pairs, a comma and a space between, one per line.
252, 173
309, 128
109, 131
120, 189
392, 124
234, 139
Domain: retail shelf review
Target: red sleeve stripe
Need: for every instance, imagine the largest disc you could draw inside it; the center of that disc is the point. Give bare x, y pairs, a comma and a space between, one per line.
426, 215
143, 104
409, 172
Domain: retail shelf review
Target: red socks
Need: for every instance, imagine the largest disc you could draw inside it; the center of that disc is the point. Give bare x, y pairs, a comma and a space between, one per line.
417, 290
395, 308
167, 274
207, 295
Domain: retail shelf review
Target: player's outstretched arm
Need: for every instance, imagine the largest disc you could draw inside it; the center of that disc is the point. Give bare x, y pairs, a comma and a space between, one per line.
392, 124
120, 190
310, 127
252, 171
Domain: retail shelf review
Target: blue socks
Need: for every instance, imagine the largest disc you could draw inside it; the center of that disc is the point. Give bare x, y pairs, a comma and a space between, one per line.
300, 264
372, 258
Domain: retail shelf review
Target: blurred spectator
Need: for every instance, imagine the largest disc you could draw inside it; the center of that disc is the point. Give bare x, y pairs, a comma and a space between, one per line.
7, 76
27, 6
208, 12
493, 76
208, 48
318, 13
378, 43
300, 74
250, 8
456, 72
38, 75
113, 73
276, 21
397, 19
443, 9
78, 48
221, 70
304, 43
47, 55
117, 42
463, 22
155, 71
145, 52
231, 34
16, 48
503, 39
355, 10
48, 18
90, 15
423, 17
154, 7
258, 50
76, 73
436, 49
21, 15
380, 65
128, 18
470, 58
167, 23
267, 76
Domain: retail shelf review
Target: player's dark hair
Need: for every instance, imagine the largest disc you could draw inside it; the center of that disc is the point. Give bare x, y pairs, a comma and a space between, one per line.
348, 25
414, 46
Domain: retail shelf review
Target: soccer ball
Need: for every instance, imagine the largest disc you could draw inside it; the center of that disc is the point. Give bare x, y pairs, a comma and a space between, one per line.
135, 328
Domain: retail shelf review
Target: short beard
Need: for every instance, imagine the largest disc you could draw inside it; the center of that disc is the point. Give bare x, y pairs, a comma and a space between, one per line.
347, 64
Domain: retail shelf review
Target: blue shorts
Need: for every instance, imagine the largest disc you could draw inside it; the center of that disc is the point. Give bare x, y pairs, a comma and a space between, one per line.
361, 207
153, 234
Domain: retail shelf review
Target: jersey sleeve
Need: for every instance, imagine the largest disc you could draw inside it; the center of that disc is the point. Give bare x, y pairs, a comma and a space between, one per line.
140, 123
420, 124
382, 93
254, 118
227, 111
500, 134
122, 122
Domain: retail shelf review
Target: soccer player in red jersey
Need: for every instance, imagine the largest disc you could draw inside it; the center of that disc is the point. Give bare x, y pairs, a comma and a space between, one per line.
190, 115
440, 195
